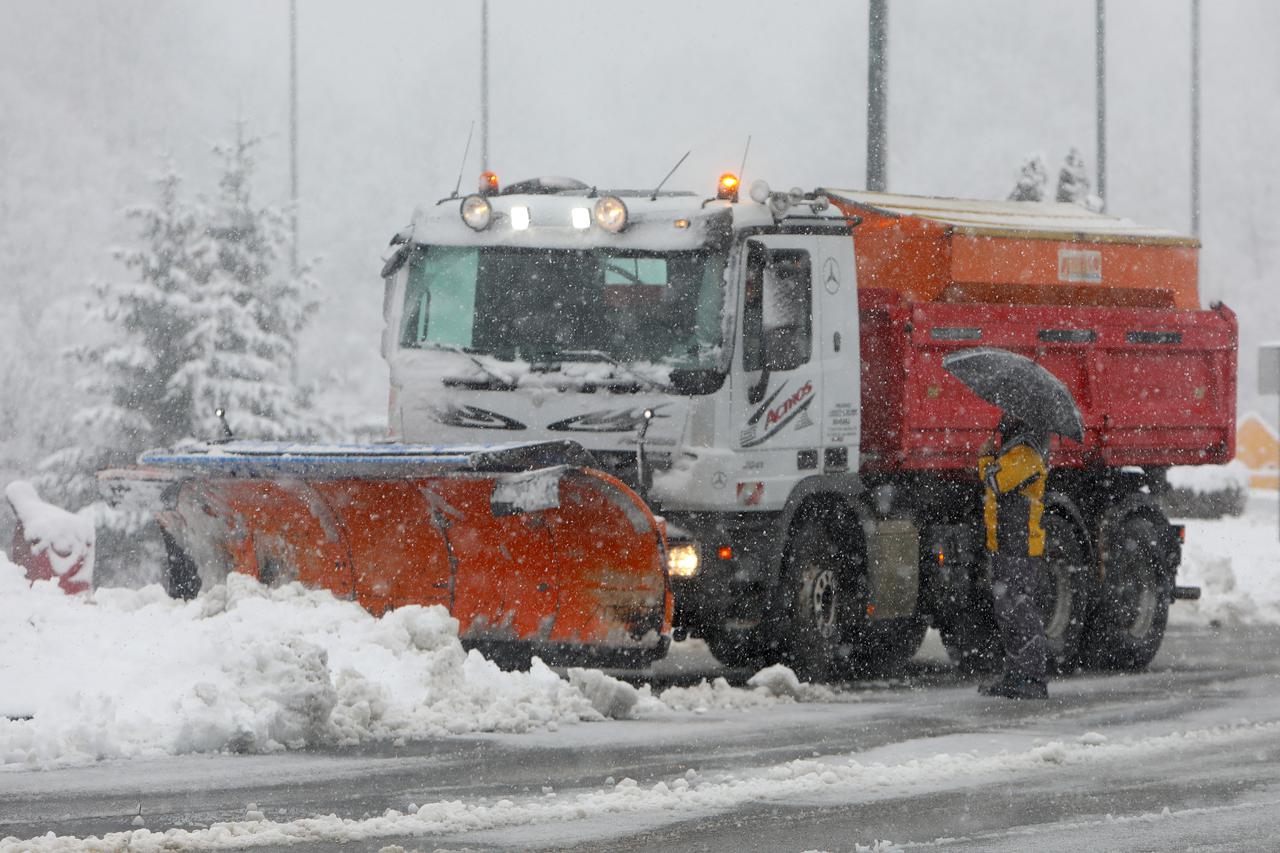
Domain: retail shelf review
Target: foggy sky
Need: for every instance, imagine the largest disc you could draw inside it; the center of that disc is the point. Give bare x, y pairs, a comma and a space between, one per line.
92, 94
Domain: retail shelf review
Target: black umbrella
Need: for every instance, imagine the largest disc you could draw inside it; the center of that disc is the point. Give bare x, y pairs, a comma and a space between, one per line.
1019, 386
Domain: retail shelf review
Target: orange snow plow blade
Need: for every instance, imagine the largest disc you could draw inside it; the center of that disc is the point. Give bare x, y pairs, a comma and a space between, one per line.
558, 560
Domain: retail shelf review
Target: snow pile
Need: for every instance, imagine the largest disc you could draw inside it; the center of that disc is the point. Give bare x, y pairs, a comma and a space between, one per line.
120, 673
1206, 479
1236, 563
769, 686
126, 673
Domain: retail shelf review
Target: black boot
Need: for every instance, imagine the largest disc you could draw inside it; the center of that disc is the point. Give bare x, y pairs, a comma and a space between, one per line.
1016, 687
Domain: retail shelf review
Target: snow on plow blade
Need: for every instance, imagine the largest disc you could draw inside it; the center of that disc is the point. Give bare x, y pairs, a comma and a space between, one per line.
530, 549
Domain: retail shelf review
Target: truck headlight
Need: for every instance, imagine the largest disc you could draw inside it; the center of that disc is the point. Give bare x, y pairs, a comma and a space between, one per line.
682, 561
476, 212
611, 214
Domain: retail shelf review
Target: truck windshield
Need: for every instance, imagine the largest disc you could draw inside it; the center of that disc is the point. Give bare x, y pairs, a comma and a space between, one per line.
557, 304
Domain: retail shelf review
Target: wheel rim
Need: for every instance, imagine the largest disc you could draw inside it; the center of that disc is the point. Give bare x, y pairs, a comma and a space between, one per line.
820, 601
1139, 595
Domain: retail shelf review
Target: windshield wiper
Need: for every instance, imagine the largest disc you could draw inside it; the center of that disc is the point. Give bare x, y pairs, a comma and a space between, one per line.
495, 378
628, 370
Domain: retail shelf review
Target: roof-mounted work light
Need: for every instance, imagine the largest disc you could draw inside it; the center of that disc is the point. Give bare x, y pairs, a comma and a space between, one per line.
611, 214
727, 189
488, 183
476, 212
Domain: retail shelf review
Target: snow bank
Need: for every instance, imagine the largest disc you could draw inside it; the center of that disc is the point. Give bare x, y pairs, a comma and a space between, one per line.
1236, 563
121, 673
1205, 479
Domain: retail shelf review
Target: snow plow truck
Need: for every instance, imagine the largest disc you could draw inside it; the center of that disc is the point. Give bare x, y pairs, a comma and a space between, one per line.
761, 379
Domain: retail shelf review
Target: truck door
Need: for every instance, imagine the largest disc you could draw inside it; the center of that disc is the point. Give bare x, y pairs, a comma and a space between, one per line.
835, 294
777, 382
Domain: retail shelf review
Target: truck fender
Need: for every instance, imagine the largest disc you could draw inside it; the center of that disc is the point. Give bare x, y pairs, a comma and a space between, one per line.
830, 490
1138, 503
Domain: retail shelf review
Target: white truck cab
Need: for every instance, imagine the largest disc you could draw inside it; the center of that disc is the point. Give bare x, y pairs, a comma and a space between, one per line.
732, 325
705, 350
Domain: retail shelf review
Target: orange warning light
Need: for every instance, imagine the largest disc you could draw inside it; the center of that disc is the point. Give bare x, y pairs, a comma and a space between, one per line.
488, 183
728, 187
725, 552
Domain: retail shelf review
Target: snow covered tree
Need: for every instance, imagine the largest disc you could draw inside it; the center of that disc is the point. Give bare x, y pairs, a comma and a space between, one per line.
210, 320
134, 403
247, 316
1033, 179
1073, 182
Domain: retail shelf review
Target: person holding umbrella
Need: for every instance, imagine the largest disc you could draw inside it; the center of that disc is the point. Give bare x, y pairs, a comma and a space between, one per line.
1013, 476
1014, 467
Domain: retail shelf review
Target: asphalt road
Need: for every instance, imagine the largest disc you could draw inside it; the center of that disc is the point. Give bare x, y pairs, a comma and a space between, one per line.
1222, 795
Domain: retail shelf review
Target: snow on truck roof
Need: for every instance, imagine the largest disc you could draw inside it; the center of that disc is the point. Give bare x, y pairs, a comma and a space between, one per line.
669, 222
1029, 219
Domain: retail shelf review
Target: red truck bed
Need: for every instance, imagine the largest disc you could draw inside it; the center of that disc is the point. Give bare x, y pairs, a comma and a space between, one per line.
1109, 306
1156, 386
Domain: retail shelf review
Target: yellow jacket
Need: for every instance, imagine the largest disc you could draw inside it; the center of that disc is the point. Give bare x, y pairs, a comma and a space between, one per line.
1014, 499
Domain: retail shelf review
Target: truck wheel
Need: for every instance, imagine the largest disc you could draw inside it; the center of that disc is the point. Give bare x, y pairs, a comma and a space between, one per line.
884, 647
737, 649
1063, 593
971, 638
814, 602
1128, 625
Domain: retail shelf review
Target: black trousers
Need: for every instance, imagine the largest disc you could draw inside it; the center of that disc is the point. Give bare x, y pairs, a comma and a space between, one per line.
1013, 582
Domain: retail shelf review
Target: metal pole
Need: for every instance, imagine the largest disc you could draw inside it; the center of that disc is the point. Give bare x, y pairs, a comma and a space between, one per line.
484, 85
1195, 117
293, 133
1100, 51
877, 96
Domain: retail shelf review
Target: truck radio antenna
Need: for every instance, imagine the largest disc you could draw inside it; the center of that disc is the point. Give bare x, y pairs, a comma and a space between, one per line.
654, 197
462, 168
742, 170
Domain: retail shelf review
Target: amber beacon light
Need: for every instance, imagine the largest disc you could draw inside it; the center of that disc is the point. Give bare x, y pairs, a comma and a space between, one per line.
728, 187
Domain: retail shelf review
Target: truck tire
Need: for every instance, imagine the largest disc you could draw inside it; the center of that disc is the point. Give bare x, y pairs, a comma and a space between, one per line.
1064, 596
971, 638
736, 649
1127, 626
813, 612
1065, 592
884, 647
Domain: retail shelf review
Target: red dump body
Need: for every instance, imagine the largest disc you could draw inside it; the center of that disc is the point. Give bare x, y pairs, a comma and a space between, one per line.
1109, 307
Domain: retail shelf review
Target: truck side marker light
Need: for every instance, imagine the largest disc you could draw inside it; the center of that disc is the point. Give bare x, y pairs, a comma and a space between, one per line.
942, 558
725, 552
871, 610
580, 217
682, 223
519, 218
